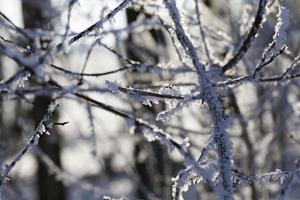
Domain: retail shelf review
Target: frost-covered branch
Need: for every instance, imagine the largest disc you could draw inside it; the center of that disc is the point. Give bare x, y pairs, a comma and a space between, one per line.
194, 98
246, 43
224, 188
41, 129
276, 47
102, 21
148, 96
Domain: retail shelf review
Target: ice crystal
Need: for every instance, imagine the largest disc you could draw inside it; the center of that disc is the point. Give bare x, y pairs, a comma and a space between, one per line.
113, 86
279, 37
176, 108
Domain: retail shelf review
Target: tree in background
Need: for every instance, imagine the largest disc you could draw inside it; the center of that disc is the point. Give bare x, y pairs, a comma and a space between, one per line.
207, 85
37, 15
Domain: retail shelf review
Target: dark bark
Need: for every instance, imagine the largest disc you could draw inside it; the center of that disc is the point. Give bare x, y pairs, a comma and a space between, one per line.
207, 3
280, 114
250, 161
154, 171
37, 16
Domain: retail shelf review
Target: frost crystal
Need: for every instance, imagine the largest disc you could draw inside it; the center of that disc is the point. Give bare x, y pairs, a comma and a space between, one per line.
41, 129
113, 86
183, 180
22, 81
168, 114
149, 135
279, 37
276, 175
146, 100
171, 90
281, 26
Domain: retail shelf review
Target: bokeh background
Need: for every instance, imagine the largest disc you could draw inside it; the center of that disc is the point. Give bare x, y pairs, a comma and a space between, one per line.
73, 163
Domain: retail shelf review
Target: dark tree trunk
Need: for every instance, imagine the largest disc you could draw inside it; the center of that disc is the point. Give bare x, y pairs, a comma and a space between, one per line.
155, 171
1, 108
207, 3
280, 114
37, 16
48, 187
245, 136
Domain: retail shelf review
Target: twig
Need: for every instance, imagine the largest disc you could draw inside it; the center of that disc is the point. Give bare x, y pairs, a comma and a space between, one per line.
41, 129
246, 43
102, 21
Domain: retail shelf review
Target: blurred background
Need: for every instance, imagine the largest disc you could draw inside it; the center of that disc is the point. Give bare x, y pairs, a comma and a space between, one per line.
99, 154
